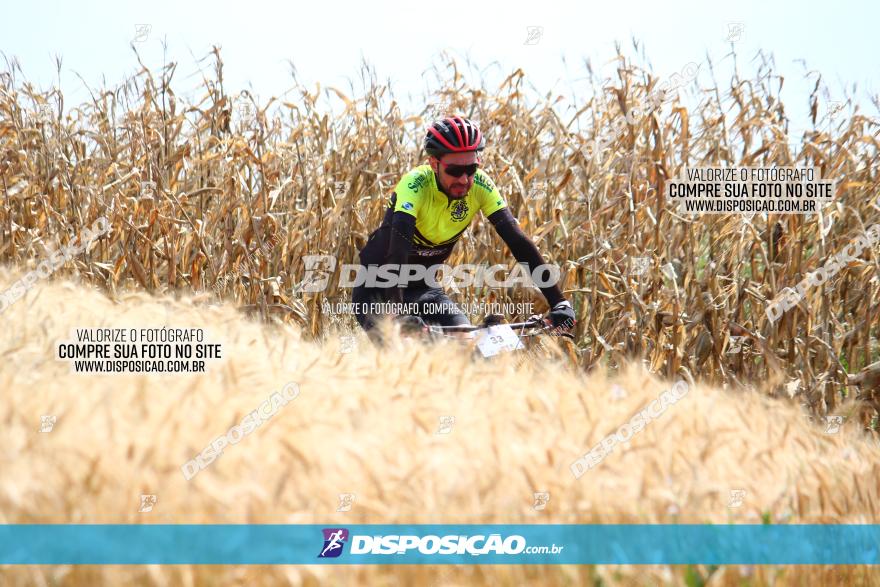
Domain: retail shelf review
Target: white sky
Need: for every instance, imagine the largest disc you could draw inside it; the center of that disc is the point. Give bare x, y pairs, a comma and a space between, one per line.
328, 40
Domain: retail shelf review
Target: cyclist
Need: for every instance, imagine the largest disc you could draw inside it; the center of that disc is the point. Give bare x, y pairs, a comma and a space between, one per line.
431, 207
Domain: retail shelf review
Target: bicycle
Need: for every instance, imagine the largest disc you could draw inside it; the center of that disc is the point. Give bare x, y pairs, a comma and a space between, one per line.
493, 336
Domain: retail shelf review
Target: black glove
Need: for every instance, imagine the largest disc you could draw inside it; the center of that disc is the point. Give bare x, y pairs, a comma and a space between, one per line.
562, 315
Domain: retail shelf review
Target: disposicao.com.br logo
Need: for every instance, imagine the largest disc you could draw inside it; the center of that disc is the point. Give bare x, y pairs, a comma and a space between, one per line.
334, 542
394, 544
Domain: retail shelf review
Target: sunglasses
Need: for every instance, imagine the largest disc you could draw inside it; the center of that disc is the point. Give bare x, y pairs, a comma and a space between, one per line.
459, 170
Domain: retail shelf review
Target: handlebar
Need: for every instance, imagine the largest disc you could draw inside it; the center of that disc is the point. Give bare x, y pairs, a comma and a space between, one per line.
532, 322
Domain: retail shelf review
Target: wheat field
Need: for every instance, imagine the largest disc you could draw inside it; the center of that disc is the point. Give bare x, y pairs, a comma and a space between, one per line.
366, 423
213, 203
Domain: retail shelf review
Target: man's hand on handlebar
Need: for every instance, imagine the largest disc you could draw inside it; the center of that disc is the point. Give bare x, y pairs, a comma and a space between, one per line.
561, 316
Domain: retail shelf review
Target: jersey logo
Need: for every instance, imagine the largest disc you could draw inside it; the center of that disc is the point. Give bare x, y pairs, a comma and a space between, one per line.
459, 211
483, 181
407, 206
416, 184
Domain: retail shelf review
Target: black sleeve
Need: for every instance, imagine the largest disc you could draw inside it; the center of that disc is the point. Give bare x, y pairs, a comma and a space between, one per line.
523, 249
403, 226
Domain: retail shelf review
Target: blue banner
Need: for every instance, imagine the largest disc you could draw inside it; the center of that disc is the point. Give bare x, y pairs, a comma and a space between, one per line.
438, 544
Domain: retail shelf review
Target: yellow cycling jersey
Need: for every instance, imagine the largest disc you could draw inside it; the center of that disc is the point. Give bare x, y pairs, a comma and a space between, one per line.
440, 221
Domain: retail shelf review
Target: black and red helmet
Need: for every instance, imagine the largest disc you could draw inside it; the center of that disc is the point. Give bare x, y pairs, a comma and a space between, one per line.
453, 135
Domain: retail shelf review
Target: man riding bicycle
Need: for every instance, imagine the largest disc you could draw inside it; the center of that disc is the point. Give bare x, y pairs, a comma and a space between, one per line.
430, 209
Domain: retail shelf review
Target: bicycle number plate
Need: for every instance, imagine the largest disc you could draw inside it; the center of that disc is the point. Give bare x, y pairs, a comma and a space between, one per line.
498, 339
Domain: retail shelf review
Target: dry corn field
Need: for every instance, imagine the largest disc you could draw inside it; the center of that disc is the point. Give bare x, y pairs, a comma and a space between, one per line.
224, 186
